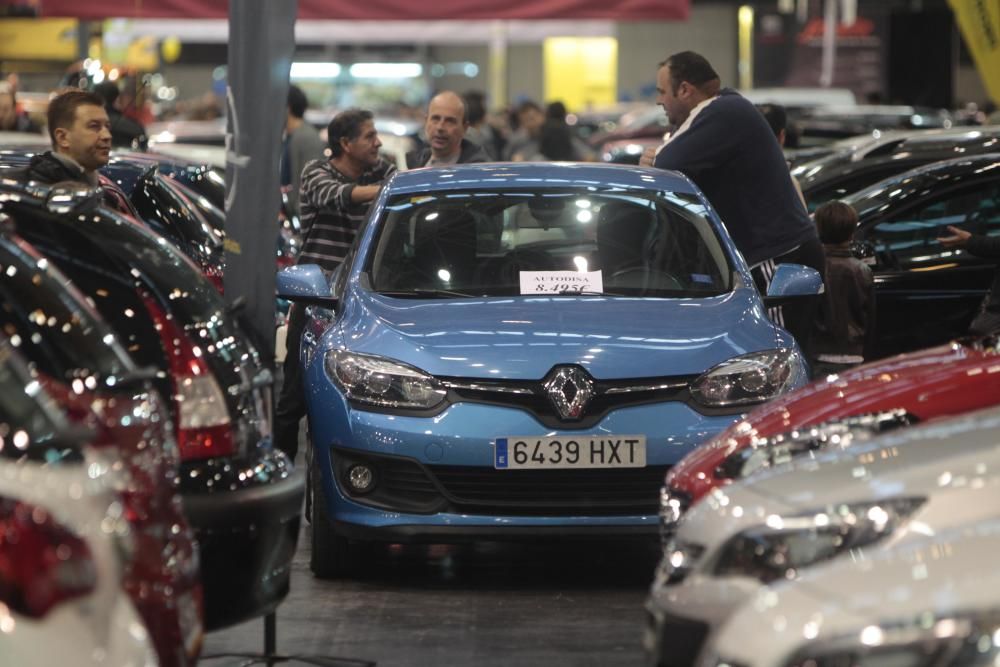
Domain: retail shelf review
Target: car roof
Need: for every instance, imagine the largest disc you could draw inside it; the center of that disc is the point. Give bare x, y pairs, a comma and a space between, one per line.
561, 175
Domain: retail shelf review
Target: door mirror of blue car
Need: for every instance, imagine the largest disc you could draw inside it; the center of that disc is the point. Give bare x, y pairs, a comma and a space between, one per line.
306, 284
792, 282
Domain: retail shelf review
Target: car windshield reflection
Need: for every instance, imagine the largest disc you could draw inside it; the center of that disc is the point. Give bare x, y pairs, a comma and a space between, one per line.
456, 244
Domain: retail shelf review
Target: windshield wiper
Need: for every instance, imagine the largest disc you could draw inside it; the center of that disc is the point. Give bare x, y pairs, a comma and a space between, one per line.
427, 294
576, 292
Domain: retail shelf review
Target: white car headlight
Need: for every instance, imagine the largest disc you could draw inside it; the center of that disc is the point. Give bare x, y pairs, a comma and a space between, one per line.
784, 545
774, 450
382, 382
970, 639
677, 561
750, 378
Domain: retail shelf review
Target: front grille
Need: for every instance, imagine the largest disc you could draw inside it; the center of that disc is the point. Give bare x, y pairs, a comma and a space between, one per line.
608, 396
620, 491
409, 486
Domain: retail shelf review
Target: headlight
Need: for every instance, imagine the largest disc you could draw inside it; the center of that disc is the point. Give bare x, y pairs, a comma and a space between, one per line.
971, 640
673, 505
777, 449
383, 383
750, 378
780, 548
678, 559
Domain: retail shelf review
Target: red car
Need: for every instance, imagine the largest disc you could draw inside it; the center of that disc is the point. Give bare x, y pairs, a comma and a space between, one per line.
939, 381
80, 364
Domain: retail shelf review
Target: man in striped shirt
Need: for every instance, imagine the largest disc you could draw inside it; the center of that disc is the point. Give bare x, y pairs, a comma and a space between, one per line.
335, 197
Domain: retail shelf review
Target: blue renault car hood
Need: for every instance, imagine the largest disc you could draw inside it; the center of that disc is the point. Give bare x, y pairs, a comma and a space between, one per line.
521, 338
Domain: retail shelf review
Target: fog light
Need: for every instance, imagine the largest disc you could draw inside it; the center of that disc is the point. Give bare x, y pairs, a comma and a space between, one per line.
360, 478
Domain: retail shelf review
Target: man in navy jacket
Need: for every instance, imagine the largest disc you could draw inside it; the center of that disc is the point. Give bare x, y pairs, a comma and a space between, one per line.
724, 144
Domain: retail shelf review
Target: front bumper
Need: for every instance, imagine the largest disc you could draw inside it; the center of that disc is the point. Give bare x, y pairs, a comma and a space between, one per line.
435, 476
247, 532
681, 618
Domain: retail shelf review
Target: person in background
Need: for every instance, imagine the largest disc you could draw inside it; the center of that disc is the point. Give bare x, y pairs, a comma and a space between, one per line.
987, 320
845, 324
555, 140
523, 141
479, 130
776, 117
11, 120
125, 132
80, 132
335, 197
725, 146
445, 129
301, 144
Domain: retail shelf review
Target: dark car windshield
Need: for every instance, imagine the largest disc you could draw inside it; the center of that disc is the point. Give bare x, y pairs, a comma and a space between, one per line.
164, 204
504, 242
57, 330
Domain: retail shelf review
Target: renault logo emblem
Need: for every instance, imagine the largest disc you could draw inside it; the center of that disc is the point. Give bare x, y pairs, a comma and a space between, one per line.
570, 389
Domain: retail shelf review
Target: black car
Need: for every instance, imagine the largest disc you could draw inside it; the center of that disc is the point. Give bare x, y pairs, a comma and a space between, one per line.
857, 166
240, 494
162, 204
927, 294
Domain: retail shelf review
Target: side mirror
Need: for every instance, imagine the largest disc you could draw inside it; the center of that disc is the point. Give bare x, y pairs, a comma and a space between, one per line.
305, 284
792, 282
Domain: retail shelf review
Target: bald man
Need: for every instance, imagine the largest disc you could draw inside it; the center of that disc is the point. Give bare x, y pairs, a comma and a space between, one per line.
445, 129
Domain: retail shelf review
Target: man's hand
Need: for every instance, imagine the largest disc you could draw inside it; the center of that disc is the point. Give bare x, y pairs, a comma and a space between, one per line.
958, 238
648, 156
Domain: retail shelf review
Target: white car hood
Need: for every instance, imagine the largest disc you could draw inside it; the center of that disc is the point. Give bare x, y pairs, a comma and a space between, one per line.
952, 573
960, 455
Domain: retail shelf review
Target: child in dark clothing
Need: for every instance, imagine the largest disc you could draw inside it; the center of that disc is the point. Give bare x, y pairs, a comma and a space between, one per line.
845, 324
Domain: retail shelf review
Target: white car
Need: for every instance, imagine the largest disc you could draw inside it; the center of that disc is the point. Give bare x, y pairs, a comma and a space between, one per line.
902, 486
932, 601
64, 541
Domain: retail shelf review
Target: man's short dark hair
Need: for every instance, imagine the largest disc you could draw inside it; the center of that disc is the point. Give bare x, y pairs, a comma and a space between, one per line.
297, 102
62, 109
775, 116
108, 90
528, 105
475, 107
691, 67
835, 222
346, 125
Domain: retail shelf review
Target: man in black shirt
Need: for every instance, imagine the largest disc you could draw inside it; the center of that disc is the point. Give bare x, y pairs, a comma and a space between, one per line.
726, 147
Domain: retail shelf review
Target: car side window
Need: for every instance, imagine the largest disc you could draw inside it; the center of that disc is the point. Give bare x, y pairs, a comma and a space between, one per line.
908, 241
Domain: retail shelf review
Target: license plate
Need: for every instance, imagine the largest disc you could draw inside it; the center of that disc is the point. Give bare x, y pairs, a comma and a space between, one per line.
587, 451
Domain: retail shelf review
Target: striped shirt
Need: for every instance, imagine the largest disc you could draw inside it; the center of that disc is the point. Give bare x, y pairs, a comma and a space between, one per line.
329, 217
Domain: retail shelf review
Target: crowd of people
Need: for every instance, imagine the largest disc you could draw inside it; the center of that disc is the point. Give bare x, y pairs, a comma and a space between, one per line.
741, 171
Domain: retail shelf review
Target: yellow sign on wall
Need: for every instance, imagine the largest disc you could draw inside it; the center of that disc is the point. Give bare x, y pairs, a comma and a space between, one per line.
581, 72
38, 39
979, 21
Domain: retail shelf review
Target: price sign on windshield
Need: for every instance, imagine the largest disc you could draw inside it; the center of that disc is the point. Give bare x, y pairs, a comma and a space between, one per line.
561, 282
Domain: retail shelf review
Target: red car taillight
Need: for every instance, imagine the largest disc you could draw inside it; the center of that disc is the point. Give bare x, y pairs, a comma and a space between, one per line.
41, 563
204, 428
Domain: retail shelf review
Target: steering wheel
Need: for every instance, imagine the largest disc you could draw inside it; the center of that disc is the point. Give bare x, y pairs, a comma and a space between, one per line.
645, 278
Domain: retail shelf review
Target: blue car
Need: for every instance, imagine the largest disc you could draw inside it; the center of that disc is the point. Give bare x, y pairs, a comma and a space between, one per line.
523, 350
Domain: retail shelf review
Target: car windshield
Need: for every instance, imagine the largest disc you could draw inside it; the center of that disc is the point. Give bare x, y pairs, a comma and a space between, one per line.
504, 242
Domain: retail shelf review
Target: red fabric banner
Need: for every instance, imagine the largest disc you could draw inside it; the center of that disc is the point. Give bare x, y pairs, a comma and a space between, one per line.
381, 10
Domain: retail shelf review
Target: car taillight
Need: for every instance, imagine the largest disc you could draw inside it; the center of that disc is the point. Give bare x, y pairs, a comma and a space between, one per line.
204, 428
42, 564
